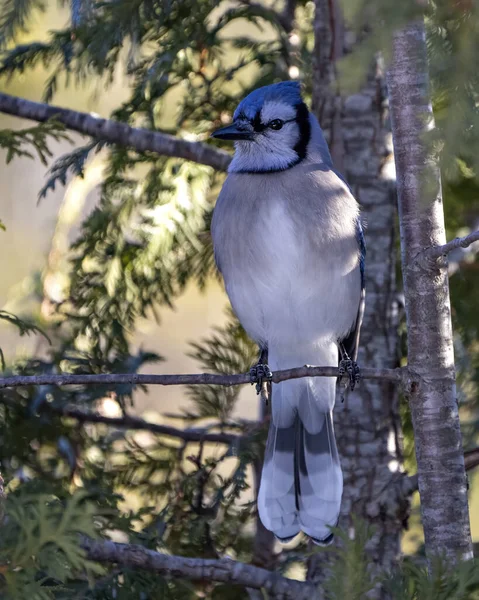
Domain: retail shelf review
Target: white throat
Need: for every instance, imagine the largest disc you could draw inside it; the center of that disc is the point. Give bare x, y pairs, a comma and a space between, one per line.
258, 156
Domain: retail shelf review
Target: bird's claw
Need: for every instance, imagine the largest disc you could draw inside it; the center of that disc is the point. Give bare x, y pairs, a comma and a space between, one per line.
259, 374
350, 368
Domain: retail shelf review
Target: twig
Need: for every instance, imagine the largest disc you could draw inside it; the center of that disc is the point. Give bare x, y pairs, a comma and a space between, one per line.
397, 375
471, 459
435, 252
116, 132
197, 569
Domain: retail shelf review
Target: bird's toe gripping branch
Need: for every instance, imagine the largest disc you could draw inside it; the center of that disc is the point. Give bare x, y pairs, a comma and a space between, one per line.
349, 368
260, 374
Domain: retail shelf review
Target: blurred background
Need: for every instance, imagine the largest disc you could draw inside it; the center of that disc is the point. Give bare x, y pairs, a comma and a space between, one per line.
46, 276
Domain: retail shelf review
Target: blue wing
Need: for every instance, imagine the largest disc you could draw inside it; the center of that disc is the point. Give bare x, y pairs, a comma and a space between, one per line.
351, 342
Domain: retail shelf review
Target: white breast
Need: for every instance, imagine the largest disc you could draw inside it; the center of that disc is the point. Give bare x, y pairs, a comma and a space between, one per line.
291, 269
286, 295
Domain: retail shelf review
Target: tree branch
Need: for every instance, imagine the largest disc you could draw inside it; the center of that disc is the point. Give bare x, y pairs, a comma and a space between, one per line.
115, 132
137, 423
196, 569
435, 252
397, 375
471, 459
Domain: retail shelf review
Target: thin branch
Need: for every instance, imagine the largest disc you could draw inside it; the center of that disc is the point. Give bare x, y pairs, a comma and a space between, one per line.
116, 133
471, 459
397, 375
137, 423
436, 252
197, 569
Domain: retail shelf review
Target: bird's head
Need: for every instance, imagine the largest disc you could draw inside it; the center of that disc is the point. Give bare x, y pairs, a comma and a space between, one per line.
271, 129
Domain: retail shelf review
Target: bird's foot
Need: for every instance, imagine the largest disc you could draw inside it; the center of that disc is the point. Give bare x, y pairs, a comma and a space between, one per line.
349, 368
260, 374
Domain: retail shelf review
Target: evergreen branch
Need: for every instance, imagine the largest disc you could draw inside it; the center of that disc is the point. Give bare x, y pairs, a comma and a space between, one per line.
16, 142
397, 375
436, 252
24, 327
197, 569
14, 16
137, 423
284, 19
115, 132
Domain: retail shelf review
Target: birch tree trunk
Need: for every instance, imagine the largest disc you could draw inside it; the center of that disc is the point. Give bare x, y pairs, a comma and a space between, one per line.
367, 424
432, 393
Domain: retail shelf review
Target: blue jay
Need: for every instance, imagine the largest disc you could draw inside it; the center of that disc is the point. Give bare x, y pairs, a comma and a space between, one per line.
289, 244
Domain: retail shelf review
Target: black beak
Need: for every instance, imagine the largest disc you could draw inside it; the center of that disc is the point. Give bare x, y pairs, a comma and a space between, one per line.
231, 132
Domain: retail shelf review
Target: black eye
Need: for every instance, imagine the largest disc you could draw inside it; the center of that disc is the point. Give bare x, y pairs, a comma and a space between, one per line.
276, 124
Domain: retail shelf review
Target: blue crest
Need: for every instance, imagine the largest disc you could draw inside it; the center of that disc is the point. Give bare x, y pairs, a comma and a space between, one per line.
288, 92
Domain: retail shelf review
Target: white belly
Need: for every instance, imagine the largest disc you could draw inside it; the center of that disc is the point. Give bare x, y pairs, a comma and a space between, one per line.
288, 292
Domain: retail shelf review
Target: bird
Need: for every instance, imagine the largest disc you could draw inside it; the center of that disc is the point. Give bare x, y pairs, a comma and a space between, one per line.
289, 244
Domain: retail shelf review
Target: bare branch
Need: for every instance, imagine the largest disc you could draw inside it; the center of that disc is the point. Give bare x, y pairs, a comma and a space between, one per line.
436, 252
137, 423
471, 459
397, 375
221, 570
116, 132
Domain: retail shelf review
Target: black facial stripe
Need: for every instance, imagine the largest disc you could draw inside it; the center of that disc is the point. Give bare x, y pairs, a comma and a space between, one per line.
302, 118
256, 122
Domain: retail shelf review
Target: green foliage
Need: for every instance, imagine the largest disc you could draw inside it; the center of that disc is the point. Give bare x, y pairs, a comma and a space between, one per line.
39, 545
411, 581
73, 163
126, 258
14, 142
23, 327
146, 239
350, 577
228, 350
14, 16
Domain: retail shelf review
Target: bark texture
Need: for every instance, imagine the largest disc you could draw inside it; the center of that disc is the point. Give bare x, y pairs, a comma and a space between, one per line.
432, 390
460, 242
367, 424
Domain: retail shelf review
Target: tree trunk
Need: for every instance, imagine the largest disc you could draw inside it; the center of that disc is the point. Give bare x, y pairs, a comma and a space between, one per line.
432, 393
367, 424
